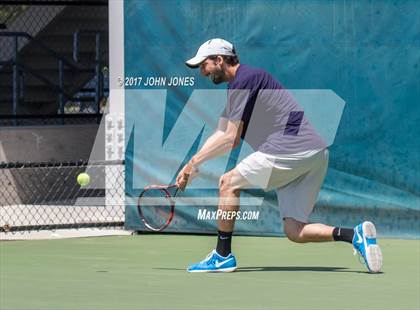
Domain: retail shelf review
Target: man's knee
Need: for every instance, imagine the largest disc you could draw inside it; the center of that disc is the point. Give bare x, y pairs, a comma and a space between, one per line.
293, 230
225, 183
229, 182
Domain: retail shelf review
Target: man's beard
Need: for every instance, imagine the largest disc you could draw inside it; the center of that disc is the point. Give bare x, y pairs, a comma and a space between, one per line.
217, 77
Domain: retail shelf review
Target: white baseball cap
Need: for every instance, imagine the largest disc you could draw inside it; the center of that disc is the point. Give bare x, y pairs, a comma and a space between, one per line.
210, 48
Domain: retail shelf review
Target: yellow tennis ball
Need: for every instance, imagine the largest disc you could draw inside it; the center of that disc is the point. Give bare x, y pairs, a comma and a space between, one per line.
83, 179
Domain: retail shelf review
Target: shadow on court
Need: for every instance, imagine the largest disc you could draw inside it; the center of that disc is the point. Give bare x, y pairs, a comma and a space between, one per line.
285, 269
296, 268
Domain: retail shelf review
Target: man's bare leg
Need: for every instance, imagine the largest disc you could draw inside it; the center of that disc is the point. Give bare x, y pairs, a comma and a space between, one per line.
229, 195
301, 232
315, 232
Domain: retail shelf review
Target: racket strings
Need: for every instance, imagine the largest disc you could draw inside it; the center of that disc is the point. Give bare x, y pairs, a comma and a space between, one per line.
156, 208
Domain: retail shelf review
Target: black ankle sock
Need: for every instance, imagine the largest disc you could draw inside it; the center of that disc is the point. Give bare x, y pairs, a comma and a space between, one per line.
224, 240
343, 234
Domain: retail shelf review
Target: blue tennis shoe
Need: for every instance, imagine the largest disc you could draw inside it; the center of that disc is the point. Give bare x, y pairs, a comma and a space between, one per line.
214, 263
364, 243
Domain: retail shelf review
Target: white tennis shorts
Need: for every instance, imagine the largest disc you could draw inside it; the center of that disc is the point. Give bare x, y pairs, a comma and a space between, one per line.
297, 179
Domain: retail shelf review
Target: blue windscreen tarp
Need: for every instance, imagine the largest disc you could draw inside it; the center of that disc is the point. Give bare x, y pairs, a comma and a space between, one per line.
365, 54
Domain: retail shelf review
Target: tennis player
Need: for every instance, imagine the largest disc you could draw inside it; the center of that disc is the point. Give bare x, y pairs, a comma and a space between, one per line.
289, 157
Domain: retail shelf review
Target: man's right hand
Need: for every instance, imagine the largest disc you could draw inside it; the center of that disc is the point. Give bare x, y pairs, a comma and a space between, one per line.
186, 174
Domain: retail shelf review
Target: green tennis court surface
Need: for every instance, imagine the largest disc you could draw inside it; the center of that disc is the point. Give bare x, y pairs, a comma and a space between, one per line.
148, 272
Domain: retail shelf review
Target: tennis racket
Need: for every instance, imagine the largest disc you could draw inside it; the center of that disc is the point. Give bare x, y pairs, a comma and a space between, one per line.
156, 206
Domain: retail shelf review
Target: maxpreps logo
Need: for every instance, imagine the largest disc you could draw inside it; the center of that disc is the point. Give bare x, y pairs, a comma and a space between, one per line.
207, 215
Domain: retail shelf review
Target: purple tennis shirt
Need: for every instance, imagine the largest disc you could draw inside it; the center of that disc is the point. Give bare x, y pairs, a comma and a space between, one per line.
274, 123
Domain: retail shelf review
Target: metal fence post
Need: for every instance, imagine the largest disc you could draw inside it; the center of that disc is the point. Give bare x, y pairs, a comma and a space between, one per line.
76, 46
22, 86
61, 85
15, 76
97, 72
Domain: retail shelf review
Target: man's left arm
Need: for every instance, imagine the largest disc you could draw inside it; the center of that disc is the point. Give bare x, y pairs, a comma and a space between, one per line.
219, 145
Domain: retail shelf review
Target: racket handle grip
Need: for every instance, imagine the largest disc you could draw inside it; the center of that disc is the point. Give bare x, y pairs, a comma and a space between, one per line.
182, 187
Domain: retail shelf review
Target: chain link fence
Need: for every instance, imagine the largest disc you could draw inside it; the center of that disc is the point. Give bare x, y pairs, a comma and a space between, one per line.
60, 49
46, 196
50, 120
30, 19
8, 13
